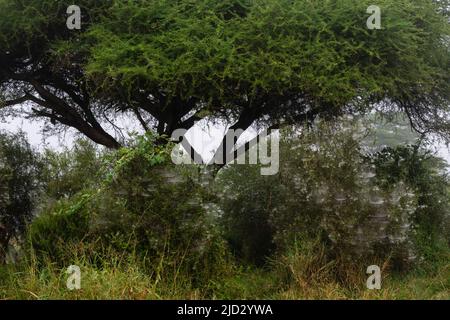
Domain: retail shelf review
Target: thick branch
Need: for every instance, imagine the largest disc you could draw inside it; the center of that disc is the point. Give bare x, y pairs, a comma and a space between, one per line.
14, 102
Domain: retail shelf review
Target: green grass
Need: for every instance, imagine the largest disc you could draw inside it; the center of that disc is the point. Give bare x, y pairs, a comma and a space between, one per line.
125, 277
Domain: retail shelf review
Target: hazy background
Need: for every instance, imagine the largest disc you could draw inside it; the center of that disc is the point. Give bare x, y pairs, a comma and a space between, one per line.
205, 138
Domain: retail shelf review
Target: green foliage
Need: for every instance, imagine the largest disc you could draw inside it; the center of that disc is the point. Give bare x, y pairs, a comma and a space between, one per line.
64, 224
140, 204
429, 178
318, 51
134, 221
298, 275
143, 229
19, 185
264, 60
360, 206
68, 172
248, 200
32, 26
39, 65
147, 149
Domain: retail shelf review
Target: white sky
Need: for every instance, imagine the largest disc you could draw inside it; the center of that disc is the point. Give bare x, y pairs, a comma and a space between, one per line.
205, 138
33, 129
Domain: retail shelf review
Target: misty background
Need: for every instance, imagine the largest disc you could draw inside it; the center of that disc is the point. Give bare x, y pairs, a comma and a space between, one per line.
204, 137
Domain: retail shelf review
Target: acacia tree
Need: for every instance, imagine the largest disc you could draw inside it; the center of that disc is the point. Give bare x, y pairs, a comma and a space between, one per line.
37, 72
267, 61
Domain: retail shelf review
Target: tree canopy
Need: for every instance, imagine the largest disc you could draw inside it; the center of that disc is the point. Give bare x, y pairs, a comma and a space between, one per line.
173, 63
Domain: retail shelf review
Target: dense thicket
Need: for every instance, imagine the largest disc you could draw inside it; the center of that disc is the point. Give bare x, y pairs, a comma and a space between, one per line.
389, 205
136, 203
334, 209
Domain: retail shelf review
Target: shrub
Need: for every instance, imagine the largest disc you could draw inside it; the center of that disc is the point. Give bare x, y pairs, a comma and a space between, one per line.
247, 201
64, 224
143, 205
19, 172
68, 172
428, 177
328, 188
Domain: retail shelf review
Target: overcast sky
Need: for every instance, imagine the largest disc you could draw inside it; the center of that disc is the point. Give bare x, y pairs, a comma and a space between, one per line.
204, 138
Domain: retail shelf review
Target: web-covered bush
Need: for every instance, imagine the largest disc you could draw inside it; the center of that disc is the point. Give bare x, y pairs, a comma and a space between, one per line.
428, 176
143, 205
359, 215
330, 188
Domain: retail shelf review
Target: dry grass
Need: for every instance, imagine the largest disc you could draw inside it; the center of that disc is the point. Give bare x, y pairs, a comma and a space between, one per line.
302, 274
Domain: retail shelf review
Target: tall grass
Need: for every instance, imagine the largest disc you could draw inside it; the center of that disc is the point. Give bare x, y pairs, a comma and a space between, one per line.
301, 273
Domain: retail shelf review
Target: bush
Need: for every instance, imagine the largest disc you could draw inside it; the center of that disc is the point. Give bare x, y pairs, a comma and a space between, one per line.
328, 188
143, 206
247, 201
68, 172
19, 172
54, 231
427, 175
